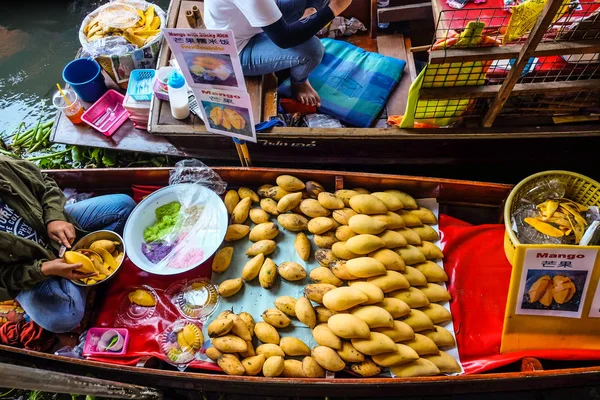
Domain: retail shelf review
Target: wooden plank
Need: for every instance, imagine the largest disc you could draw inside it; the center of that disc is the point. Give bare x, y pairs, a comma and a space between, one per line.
509, 52
520, 89
407, 12
394, 46
163, 59
25, 378
548, 14
410, 59
126, 138
254, 85
374, 17
270, 97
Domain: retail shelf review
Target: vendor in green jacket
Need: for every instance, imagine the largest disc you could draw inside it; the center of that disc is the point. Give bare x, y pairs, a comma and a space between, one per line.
34, 223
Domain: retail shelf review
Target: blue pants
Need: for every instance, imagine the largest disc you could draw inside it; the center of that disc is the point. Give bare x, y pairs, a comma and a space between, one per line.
57, 304
261, 56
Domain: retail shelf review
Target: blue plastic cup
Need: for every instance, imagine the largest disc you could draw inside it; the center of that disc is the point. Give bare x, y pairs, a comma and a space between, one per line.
85, 77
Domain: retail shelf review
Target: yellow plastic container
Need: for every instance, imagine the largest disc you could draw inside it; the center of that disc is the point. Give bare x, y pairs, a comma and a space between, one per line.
526, 327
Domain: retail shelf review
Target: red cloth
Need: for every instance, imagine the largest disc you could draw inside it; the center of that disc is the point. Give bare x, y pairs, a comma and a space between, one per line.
28, 335
479, 275
292, 106
141, 191
142, 337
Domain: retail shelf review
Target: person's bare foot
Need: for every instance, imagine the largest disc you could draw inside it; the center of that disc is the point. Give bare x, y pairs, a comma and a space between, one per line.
307, 95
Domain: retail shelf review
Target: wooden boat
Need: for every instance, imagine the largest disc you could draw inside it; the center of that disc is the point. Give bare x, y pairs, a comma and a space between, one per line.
356, 146
475, 202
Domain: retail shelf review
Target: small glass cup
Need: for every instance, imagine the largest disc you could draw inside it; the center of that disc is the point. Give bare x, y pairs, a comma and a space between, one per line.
74, 111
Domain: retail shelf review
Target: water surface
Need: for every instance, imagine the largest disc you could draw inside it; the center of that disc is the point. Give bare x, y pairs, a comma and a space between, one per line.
37, 39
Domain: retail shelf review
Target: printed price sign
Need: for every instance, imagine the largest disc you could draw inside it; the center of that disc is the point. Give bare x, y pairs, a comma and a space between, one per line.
554, 282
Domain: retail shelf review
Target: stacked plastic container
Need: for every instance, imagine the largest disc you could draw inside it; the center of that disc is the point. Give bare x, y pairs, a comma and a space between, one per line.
138, 97
139, 111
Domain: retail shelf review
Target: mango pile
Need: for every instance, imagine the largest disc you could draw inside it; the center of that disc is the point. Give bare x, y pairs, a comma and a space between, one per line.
103, 257
373, 301
143, 32
560, 218
546, 290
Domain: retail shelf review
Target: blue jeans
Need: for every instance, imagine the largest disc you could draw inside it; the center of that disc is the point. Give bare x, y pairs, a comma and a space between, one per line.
261, 56
57, 304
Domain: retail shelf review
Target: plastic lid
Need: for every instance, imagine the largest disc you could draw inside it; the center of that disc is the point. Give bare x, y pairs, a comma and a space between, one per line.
176, 80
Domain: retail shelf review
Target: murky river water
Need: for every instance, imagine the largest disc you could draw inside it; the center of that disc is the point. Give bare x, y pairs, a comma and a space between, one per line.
37, 39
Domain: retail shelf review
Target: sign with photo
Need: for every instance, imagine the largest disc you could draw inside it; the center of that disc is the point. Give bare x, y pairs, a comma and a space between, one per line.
209, 61
553, 300
207, 58
555, 282
228, 113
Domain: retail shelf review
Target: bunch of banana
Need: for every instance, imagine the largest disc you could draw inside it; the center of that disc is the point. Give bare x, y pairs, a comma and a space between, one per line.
380, 245
142, 33
103, 257
546, 290
560, 218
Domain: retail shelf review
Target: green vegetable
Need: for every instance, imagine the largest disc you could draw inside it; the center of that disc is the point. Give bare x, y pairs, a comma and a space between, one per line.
48, 155
112, 342
38, 129
168, 219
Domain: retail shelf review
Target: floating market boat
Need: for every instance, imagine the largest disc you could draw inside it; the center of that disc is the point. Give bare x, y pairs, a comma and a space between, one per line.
474, 202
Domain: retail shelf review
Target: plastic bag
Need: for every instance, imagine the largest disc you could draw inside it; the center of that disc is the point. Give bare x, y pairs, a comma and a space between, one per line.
322, 121
117, 45
195, 171
187, 222
544, 190
526, 233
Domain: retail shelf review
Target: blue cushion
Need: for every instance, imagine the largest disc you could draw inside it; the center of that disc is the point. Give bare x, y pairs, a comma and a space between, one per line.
354, 84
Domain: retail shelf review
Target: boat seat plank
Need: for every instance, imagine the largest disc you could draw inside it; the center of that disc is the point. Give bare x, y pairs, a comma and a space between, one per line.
394, 45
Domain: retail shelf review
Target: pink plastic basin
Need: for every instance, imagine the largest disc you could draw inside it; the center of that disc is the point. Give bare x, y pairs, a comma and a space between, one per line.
107, 114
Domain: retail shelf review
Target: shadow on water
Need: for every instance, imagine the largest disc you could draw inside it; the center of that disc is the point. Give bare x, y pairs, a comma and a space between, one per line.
37, 39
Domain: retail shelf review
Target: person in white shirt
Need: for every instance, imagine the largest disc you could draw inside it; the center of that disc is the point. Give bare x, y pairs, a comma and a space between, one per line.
275, 35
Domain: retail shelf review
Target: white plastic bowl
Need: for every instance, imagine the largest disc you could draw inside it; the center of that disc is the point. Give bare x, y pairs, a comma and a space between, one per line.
213, 220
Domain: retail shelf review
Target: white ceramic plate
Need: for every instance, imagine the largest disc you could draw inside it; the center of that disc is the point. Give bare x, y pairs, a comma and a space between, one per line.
213, 222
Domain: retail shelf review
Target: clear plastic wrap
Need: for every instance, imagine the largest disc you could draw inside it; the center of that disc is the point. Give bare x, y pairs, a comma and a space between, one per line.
322, 121
545, 216
526, 233
182, 343
180, 226
542, 191
117, 15
195, 171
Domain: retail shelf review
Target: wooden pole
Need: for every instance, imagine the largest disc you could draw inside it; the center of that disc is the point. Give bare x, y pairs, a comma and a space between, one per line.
537, 33
18, 377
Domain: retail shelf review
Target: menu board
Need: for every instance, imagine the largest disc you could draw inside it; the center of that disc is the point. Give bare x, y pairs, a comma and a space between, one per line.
211, 66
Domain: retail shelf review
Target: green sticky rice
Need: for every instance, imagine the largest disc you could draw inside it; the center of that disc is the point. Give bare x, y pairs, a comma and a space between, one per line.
167, 219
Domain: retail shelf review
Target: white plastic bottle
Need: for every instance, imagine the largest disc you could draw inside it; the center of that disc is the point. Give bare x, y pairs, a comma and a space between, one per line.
178, 97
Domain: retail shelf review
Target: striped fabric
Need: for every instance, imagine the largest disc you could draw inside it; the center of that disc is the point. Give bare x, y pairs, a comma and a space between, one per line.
354, 84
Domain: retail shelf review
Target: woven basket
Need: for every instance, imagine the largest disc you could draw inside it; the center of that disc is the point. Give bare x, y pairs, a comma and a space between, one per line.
579, 188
